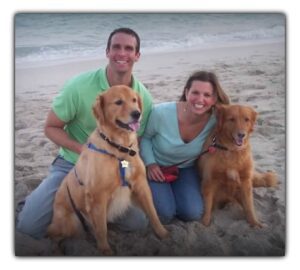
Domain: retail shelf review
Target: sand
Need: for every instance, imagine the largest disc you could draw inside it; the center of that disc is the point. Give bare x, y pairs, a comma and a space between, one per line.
250, 74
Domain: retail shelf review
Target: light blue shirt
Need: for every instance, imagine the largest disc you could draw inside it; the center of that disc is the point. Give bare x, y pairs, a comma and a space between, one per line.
162, 143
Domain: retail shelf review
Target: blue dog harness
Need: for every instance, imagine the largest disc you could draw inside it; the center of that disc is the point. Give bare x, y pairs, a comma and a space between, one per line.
122, 162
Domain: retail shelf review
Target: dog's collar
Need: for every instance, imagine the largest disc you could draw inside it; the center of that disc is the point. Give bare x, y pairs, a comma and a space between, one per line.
213, 147
216, 145
118, 146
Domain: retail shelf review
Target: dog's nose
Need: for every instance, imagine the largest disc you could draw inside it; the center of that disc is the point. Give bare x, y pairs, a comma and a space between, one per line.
135, 115
241, 135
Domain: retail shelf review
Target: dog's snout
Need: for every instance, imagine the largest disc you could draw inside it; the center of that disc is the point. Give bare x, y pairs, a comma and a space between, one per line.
135, 115
241, 135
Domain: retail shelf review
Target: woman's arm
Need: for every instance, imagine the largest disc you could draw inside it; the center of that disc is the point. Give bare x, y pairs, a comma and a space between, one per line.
153, 170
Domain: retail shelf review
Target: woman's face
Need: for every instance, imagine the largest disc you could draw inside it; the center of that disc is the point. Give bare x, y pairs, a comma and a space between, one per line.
200, 97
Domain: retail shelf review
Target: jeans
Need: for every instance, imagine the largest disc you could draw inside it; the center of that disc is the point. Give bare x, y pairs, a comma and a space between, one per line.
37, 212
181, 198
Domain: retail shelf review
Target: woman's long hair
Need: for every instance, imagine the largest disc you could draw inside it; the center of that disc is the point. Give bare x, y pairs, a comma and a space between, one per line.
210, 77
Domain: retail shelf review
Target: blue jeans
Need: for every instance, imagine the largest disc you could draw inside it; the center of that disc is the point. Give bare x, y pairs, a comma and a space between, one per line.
181, 198
37, 212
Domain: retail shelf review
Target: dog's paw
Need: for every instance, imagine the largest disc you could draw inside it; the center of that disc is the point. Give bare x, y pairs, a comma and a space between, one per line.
106, 252
163, 233
256, 224
105, 249
205, 220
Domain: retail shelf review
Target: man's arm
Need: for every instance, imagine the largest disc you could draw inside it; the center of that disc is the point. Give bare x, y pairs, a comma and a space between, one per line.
54, 130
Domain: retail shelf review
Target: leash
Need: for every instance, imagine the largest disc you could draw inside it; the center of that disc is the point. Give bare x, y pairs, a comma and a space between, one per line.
77, 177
77, 212
123, 164
212, 148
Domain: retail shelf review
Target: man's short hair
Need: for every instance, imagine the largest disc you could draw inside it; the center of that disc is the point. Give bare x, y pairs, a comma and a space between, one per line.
127, 31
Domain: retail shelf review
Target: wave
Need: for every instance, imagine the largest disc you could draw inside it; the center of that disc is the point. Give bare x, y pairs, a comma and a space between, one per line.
73, 36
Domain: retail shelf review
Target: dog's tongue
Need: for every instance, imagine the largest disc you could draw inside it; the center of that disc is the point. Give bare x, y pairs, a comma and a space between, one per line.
134, 126
239, 141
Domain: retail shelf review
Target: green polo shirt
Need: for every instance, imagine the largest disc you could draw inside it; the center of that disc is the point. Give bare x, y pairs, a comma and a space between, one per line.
74, 104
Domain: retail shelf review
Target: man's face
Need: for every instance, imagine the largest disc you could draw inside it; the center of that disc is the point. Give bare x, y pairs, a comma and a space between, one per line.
122, 52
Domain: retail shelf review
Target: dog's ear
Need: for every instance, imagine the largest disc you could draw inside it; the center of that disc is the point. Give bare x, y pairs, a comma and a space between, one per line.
98, 109
219, 110
140, 102
254, 115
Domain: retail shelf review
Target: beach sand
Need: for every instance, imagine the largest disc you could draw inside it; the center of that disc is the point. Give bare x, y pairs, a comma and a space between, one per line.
251, 74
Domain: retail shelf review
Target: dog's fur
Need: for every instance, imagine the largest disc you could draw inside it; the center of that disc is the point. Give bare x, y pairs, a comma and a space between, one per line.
229, 175
101, 198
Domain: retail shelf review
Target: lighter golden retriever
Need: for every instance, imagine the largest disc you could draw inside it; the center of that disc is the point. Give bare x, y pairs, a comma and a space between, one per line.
93, 191
226, 166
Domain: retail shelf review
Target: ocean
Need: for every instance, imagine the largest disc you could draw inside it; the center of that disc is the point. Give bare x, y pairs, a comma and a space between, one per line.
44, 38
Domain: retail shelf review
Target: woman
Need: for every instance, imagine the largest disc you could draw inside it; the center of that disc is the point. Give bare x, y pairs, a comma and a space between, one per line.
174, 135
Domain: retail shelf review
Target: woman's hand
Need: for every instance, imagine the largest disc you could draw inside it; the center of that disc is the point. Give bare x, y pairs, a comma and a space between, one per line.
154, 173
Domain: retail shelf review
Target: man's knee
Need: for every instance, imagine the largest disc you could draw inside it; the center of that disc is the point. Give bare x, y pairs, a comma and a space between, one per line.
36, 214
28, 227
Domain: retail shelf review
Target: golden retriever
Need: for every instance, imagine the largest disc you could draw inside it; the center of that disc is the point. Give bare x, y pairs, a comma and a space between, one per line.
92, 191
226, 165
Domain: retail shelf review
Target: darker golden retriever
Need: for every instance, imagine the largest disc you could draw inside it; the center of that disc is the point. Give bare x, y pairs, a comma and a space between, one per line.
93, 191
227, 168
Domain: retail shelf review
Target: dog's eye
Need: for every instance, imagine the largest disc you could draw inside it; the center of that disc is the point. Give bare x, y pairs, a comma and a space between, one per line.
134, 100
119, 102
231, 119
247, 119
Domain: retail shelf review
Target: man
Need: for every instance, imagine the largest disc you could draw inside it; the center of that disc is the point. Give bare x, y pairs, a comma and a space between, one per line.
70, 122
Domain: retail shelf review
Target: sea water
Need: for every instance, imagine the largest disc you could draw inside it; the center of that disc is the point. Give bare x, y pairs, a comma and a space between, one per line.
41, 38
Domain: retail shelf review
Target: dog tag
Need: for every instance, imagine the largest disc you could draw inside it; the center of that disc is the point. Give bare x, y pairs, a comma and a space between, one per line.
124, 163
212, 149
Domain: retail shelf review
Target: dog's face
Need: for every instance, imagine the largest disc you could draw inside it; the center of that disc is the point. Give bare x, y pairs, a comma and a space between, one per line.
119, 107
236, 123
